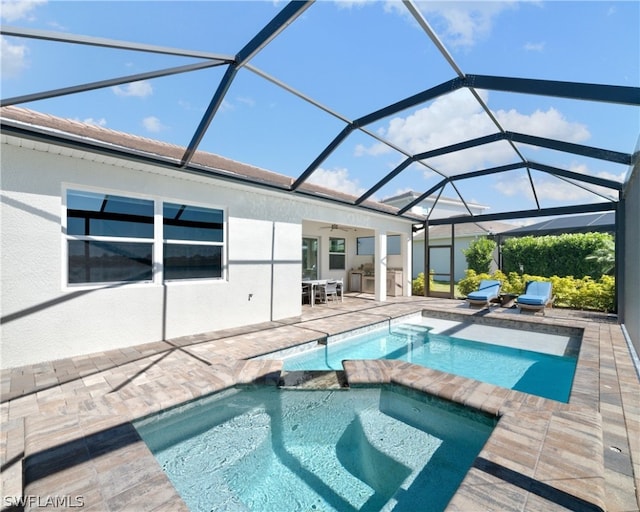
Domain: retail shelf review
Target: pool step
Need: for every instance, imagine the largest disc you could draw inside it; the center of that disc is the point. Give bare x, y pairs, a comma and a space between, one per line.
410, 329
313, 379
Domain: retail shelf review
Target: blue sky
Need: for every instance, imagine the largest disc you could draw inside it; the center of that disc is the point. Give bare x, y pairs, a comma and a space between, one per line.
352, 57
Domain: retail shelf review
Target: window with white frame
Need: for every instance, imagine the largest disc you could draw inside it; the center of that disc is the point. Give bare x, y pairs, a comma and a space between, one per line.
366, 245
337, 254
110, 238
193, 242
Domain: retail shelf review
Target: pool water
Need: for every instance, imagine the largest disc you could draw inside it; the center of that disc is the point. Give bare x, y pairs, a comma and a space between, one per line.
268, 449
546, 375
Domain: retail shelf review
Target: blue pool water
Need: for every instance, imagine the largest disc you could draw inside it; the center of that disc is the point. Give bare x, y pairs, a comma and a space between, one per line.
364, 449
545, 375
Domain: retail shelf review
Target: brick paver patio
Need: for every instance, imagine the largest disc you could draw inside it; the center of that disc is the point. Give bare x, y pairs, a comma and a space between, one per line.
67, 440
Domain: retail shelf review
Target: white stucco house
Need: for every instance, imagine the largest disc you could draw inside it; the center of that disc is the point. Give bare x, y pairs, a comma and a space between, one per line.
441, 238
102, 251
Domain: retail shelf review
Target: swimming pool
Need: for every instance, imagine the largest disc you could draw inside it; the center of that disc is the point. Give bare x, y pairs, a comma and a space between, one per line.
268, 449
425, 342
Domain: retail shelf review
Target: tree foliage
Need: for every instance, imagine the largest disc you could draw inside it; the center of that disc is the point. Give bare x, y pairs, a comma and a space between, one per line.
562, 255
479, 254
604, 257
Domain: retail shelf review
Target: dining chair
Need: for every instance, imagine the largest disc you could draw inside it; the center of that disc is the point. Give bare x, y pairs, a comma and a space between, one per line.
306, 293
331, 290
340, 289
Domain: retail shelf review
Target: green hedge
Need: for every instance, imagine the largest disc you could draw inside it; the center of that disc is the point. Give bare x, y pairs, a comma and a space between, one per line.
562, 255
569, 292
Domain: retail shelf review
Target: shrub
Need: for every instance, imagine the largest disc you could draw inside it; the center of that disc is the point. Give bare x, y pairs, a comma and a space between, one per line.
417, 285
584, 293
479, 254
471, 281
569, 292
561, 255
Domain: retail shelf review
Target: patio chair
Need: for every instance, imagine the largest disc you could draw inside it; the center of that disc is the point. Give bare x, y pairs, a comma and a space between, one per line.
487, 291
306, 293
326, 291
340, 289
319, 291
536, 296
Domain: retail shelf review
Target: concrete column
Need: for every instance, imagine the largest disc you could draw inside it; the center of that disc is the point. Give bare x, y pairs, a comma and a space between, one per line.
380, 259
407, 259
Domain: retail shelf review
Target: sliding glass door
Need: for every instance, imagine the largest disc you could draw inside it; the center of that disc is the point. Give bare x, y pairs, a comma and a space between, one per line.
310, 258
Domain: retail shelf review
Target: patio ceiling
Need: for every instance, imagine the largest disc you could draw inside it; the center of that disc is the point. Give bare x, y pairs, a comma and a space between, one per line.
597, 172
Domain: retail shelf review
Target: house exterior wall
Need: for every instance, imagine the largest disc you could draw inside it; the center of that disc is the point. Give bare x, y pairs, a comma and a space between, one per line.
631, 304
45, 319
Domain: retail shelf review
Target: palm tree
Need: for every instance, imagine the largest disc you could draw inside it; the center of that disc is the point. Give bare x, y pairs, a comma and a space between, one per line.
604, 257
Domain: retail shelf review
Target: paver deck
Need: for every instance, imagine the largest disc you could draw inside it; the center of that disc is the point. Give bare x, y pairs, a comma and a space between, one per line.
67, 440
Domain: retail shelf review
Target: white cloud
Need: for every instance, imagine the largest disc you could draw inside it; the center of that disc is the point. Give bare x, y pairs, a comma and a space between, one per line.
555, 189
451, 118
57, 26
139, 89
184, 104
245, 100
336, 179
350, 4
459, 24
13, 10
373, 150
534, 47
550, 189
95, 122
550, 124
458, 117
226, 106
14, 58
153, 124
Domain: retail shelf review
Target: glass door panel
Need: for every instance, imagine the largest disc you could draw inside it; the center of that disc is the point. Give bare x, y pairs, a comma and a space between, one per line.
309, 258
441, 270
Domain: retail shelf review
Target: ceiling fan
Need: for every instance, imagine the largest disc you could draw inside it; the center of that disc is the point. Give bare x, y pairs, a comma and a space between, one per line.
337, 227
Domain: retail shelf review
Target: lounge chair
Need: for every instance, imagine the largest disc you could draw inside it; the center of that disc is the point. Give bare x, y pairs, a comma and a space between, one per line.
487, 291
536, 296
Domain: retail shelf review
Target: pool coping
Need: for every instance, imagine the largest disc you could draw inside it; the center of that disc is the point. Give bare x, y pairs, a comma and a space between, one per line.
529, 461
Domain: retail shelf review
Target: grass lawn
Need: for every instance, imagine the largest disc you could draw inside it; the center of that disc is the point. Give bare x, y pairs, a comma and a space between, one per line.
439, 286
